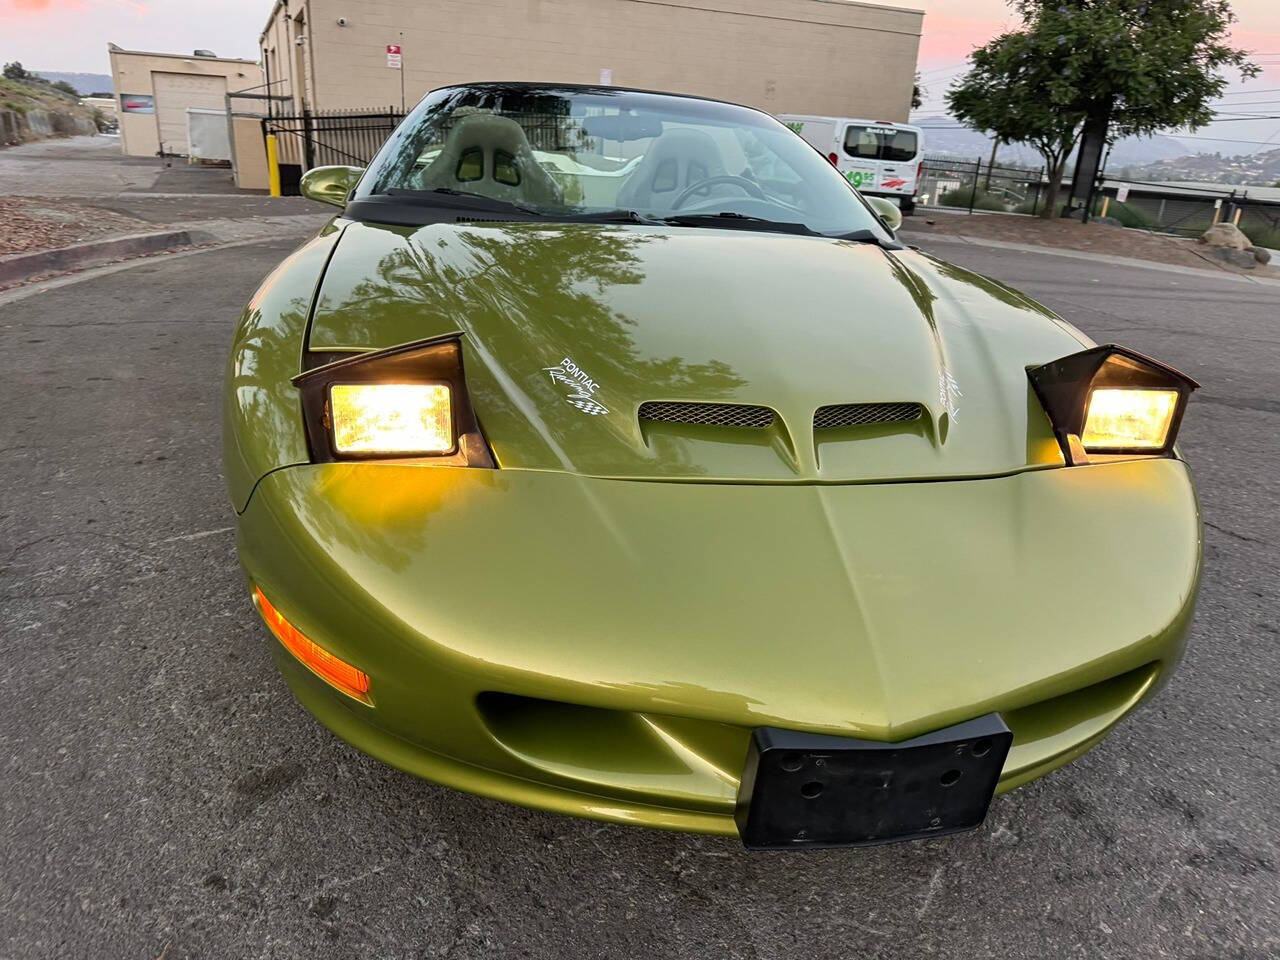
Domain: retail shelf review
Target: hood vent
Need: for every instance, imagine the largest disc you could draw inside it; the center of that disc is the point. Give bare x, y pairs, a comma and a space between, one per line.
487, 219
864, 414
708, 414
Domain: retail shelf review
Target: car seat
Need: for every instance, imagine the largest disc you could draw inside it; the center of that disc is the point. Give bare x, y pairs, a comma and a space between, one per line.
674, 162
491, 156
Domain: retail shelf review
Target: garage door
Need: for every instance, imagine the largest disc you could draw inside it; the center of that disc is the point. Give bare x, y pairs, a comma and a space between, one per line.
174, 93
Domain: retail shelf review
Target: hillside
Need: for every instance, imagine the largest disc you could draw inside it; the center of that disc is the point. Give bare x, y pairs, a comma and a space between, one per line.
31, 108
946, 137
85, 83
1261, 169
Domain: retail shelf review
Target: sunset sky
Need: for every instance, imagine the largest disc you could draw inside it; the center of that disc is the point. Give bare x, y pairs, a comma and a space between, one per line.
72, 35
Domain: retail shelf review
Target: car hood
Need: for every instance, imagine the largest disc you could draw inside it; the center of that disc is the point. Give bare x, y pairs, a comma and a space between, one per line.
570, 328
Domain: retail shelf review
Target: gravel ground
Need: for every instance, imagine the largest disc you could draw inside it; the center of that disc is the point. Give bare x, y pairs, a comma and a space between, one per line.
1072, 235
28, 224
62, 192
165, 797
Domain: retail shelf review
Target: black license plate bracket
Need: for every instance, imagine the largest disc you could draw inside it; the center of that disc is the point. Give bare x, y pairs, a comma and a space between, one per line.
803, 790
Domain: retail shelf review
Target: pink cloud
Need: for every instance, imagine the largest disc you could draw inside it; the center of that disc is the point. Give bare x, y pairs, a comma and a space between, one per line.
952, 29
54, 8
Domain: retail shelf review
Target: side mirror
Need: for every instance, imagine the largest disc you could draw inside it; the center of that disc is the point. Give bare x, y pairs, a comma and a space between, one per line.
887, 210
330, 184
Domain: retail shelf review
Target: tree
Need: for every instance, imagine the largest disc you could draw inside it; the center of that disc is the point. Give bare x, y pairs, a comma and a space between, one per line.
1128, 66
15, 71
917, 94
65, 87
1148, 64
1019, 89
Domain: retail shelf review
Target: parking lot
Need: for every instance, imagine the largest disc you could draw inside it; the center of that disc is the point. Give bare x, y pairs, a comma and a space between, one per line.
165, 797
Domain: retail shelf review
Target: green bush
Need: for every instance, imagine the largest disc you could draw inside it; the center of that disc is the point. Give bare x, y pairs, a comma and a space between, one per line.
1128, 216
1263, 236
1035, 205
961, 197
15, 107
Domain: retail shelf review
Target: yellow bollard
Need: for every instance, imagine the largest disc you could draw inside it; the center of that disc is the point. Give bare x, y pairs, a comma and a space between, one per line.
1236, 218
273, 166
1106, 205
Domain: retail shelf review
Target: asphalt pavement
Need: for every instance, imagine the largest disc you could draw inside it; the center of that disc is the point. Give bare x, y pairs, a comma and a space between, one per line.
164, 796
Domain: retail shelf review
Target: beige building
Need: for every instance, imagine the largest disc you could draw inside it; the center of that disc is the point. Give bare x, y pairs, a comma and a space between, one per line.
785, 56
154, 90
106, 105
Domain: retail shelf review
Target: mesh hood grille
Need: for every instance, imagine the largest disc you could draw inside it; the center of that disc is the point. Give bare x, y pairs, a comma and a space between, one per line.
708, 414
861, 414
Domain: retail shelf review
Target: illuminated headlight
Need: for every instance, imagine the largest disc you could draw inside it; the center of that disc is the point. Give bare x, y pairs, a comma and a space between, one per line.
408, 402
1120, 419
1111, 400
405, 419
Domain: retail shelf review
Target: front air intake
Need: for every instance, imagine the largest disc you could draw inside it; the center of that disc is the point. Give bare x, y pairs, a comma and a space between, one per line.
864, 414
708, 414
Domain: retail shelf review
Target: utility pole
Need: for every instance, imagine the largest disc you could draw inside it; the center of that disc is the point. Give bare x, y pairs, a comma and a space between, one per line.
402, 110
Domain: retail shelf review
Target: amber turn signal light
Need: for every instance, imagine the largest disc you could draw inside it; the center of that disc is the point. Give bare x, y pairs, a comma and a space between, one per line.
331, 669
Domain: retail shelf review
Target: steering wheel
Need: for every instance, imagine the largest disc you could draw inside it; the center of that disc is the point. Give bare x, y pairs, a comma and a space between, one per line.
749, 186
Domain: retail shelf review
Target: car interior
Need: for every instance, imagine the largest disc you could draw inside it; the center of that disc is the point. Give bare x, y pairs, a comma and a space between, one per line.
490, 155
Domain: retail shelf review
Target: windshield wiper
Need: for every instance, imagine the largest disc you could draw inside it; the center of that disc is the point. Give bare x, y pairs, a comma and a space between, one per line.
729, 220
740, 221
446, 196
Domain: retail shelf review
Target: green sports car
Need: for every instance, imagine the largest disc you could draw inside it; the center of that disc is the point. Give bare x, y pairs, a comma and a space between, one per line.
608, 454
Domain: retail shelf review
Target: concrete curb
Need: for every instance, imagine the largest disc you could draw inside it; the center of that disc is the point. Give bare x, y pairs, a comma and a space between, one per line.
24, 266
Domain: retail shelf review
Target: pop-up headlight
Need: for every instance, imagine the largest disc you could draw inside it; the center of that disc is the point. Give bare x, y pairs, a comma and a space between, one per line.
406, 403
1112, 400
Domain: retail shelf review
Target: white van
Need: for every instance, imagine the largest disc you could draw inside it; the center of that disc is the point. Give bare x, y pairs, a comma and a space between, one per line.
880, 159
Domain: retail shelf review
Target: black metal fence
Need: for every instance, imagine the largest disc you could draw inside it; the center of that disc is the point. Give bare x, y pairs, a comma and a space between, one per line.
544, 131
319, 138
978, 185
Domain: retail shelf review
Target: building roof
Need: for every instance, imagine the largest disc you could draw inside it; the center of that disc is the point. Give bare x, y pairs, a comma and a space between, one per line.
1191, 187
114, 48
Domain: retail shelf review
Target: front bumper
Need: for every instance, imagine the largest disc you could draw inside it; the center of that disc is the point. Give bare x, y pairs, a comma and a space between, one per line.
605, 648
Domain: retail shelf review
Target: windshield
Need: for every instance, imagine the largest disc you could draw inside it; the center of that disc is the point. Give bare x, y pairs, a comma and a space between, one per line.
570, 153
881, 143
